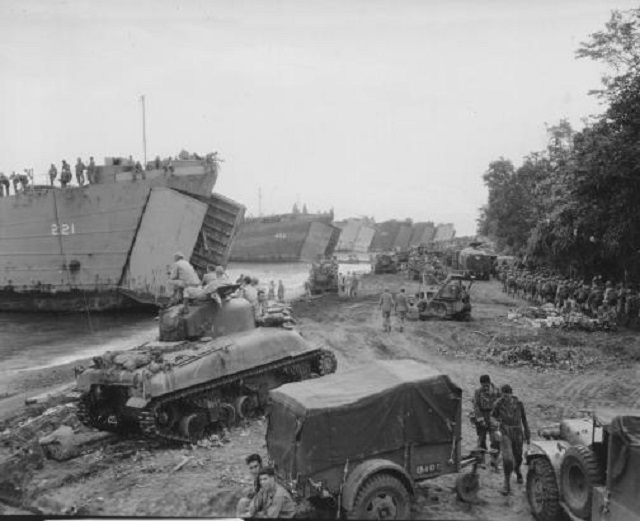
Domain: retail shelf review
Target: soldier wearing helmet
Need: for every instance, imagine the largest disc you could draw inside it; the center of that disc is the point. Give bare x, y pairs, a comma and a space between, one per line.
514, 430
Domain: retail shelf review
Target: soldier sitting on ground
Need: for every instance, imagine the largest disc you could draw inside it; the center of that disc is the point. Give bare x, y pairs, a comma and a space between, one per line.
272, 501
254, 462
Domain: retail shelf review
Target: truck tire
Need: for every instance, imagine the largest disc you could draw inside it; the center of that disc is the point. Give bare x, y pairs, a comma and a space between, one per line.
382, 496
542, 490
467, 486
579, 473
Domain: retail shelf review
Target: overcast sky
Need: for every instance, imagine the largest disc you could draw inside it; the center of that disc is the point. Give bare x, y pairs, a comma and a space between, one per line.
374, 107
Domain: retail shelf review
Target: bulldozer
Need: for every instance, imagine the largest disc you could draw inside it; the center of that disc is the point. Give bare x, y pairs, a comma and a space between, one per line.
447, 300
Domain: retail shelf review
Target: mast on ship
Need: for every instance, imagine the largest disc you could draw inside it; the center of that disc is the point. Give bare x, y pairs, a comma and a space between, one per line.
144, 131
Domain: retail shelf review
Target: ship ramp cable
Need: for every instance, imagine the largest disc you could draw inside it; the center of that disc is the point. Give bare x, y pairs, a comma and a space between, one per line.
64, 257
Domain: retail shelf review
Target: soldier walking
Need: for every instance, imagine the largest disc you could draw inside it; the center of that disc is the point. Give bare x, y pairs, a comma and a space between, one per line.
401, 307
386, 305
484, 399
514, 429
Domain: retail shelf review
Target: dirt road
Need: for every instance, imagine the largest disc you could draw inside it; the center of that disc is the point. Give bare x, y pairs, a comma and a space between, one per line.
131, 477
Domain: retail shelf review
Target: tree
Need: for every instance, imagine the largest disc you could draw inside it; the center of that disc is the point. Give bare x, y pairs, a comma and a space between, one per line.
618, 47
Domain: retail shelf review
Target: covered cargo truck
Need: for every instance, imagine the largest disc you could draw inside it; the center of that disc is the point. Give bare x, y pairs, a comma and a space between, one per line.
359, 440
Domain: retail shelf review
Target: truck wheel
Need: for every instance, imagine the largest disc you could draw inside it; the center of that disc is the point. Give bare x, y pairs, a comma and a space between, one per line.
542, 490
381, 497
467, 486
579, 473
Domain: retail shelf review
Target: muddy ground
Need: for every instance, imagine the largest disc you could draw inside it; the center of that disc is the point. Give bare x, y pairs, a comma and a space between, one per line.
134, 477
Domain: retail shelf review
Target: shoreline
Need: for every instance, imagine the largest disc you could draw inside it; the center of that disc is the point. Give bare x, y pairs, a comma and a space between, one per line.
18, 385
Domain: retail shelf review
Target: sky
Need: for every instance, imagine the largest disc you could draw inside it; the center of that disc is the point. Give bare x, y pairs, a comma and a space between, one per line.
391, 109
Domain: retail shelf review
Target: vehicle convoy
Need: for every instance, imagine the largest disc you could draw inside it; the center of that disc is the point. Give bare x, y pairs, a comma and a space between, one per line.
180, 389
587, 468
385, 263
360, 441
450, 299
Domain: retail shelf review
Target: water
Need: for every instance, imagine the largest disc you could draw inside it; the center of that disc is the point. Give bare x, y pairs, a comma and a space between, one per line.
30, 341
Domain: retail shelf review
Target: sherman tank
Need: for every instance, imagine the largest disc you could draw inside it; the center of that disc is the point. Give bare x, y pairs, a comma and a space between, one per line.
219, 373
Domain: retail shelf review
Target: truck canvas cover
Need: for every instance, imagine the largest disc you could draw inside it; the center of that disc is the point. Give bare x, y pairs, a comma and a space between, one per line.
381, 407
624, 475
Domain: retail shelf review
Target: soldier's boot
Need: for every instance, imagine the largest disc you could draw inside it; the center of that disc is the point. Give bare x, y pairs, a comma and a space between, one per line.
506, 490
519, 476
495, 460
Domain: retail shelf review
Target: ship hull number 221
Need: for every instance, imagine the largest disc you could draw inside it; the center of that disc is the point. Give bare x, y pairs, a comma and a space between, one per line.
63, 229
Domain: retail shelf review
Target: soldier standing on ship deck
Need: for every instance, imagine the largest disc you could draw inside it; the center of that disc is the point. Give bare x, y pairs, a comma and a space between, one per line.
15, 179
4, 185
91, 171
53, 173
65, 174
80, 172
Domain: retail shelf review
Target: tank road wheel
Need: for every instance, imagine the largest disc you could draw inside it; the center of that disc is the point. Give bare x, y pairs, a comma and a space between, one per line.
245, 406
579, 473
192, 425
542, 490
326, 364
467, 486
381, 497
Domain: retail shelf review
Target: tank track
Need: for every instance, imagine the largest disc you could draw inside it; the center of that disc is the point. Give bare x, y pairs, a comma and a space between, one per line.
324, 361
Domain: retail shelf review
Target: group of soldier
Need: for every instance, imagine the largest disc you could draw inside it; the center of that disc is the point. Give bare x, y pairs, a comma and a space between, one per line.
500, 416
19, 182
616, 303
266, 498
80, 169
188, 285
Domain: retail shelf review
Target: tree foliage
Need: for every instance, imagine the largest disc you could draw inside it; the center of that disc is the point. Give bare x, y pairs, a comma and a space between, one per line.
576, 204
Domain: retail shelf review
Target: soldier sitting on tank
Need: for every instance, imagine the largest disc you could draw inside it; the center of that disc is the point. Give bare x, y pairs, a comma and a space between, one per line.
261, 306
182, 276
254, 462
